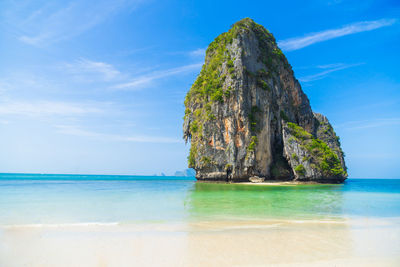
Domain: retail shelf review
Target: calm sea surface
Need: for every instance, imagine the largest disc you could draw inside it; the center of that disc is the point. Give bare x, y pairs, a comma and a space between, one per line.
59, 199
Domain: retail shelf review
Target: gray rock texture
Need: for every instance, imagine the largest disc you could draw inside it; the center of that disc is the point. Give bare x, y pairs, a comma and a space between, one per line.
246, 115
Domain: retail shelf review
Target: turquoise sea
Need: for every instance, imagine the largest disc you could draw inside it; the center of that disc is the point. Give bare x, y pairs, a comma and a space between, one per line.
116, 221
64, 199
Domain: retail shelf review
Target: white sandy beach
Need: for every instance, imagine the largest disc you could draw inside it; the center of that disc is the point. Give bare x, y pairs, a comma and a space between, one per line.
244, 243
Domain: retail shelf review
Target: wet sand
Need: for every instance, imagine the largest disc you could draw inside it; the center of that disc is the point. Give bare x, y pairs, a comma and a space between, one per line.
361, 242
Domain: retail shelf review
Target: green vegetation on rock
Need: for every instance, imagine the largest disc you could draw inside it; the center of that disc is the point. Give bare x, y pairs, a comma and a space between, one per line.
253, 143
194, 127
322, 157
300, 170
298, 131
206, 160
264, 85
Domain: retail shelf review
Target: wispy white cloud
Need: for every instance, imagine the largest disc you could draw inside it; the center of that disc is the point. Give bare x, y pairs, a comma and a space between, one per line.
83, 75
46, 108
88, 70
77, 131
199, 52
365, 124
85, 70
331, 66
138, 82
312, 38
45, 23
328, 69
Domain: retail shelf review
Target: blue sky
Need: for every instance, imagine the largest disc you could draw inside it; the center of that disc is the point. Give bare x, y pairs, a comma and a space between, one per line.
98, 86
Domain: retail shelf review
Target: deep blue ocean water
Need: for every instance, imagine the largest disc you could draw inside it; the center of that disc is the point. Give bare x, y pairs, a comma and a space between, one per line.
55, 199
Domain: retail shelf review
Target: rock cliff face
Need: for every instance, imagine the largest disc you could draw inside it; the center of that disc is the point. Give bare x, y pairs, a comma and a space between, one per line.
246, 115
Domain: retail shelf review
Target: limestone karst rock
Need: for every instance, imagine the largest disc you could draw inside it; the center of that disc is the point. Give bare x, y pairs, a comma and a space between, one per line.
246, 115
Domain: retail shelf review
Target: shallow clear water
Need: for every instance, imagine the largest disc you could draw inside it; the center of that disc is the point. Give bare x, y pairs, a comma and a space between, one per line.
58, 199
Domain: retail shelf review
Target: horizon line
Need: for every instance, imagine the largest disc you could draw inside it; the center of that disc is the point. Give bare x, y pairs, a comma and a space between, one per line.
147, 175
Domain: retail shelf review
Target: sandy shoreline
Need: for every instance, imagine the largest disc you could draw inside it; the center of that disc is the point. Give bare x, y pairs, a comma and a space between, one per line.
205, 243
270, 182
277, 183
